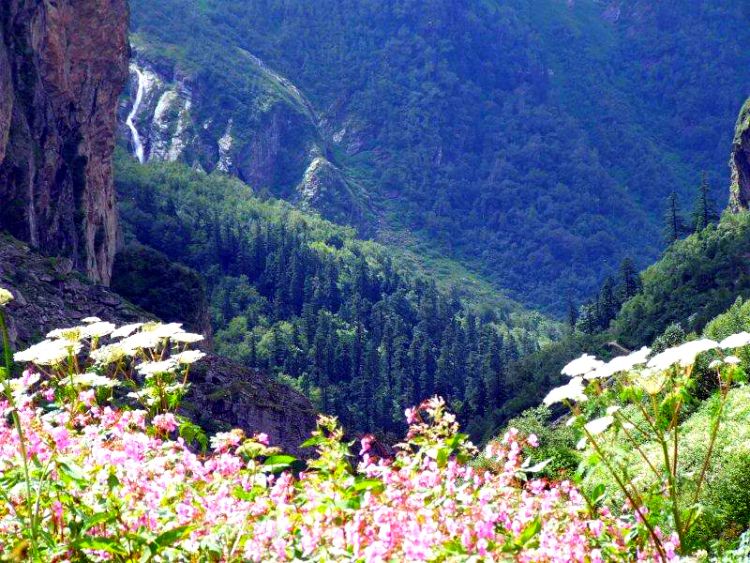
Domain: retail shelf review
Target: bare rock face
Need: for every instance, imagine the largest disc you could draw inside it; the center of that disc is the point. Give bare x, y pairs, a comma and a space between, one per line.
63, 64
49, 294
740, 163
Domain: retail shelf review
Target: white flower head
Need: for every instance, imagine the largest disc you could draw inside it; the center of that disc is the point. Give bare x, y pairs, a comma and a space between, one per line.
599, 425
5, 297
161, 330
684, 354
715, 363
152, 368
91, 320
93, 380
572, 391
110, 354
613, 409
125, 330
71, 334
581, 366
187, 338
732, 360
581, 445
140, 341
651, 380
48, 352
738, 340
189, 356
620, 364
97, 329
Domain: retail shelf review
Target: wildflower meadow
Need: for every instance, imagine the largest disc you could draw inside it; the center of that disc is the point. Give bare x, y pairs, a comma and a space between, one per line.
97, 464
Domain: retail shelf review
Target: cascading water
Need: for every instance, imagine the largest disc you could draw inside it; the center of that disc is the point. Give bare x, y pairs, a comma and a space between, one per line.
137, 143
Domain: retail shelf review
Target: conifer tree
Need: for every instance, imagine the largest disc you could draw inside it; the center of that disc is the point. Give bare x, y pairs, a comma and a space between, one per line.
674, 226
630, 281
704, 212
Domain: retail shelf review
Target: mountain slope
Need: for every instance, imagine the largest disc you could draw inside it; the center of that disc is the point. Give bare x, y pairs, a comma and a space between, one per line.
535, 141
350, 323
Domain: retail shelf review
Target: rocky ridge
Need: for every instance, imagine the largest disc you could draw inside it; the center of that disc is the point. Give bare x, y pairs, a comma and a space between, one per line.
50, 294
739, 163
62, 68
273, 140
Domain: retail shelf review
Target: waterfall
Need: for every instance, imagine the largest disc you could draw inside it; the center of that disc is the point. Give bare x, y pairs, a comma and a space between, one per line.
137, 143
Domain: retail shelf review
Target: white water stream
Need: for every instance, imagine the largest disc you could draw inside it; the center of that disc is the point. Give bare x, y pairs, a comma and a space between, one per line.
137, 143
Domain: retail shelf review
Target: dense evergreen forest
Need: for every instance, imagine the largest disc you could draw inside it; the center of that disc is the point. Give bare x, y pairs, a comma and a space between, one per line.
339, 318
538, 142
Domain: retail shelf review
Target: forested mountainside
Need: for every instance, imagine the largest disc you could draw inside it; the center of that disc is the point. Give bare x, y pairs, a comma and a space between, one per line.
696, 280
346, 321
535, 141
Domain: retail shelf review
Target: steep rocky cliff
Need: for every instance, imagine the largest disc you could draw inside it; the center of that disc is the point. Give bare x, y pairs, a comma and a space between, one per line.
265, 132
63, 64
739, 162
50, 294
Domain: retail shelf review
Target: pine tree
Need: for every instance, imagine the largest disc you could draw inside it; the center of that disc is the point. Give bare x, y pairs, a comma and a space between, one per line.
607, 304
704, 212
674, 226
572, 315
630, 280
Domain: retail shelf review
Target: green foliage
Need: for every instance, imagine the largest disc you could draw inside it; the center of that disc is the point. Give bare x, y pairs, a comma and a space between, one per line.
546, 135
557, 441
697, 279
346, 321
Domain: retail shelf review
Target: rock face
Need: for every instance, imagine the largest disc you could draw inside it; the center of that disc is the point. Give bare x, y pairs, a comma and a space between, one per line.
740, 163
63, 64
50, 294
324, 186
272, 140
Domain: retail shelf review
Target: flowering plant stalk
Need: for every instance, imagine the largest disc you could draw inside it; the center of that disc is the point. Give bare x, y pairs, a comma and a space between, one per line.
633, 406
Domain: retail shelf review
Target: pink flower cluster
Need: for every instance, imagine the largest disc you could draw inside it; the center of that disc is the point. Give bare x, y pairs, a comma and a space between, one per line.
110, 484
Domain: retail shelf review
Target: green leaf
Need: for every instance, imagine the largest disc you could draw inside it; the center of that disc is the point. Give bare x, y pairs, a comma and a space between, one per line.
108, 545
530, 531
277, 463
170, 537
71, 471
314, 441
369, 485
97, 519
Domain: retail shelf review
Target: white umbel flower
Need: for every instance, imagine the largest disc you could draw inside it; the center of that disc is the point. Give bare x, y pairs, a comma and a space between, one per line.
151, 368
581, 366
91, 320
572, 391
161, 330
93, 380
125, 330
732, 360
187, 338
189, 357
48, 352
620, 364
5, 297
97, 329
684, 354
599, 425
738, 340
